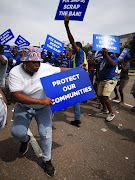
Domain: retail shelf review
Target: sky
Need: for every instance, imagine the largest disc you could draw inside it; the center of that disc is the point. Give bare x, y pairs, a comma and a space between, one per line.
34, 19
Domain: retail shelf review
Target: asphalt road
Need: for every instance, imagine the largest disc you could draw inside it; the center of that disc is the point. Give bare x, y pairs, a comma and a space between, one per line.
97, 150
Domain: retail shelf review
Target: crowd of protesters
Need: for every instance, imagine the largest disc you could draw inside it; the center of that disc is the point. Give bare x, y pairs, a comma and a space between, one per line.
20, 76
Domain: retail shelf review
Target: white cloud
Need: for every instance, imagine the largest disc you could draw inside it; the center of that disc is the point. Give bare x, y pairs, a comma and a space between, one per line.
34, 19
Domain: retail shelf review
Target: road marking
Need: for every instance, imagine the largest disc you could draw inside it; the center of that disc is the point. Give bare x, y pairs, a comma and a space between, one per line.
35, 145
124, 103
37, 148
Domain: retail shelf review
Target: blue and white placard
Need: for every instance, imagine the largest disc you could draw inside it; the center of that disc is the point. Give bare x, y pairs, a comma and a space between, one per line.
53, 44
111, 43
6, 36
98, 54
123, 54
68, 88
64, 51
21, 42
74, 8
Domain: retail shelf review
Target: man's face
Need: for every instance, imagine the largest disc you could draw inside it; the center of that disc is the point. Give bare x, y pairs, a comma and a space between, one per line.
68, 56
49, 54
15, 53
32, 66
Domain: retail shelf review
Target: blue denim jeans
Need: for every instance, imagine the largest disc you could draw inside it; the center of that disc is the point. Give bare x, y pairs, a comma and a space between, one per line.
22, 117
77, 112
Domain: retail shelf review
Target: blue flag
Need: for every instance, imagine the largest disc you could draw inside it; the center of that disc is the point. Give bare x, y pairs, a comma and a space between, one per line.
111, 43
6, 36
53, 44
68, 88
74, 8
21, 42
123, 54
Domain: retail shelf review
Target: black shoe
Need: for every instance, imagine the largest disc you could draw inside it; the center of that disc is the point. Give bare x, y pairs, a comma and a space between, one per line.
24, 147
76, 122
48, 168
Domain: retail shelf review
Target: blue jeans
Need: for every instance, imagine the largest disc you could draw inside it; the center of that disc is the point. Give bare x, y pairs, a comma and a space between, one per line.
22, 117
77, 112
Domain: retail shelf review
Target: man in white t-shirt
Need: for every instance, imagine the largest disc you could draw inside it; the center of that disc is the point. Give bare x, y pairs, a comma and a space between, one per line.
26, 88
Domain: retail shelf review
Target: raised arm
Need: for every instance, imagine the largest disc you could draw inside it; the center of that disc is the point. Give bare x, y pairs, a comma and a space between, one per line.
70, 37
110, 60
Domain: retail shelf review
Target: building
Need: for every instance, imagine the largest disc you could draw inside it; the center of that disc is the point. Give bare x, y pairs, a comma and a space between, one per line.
126, 38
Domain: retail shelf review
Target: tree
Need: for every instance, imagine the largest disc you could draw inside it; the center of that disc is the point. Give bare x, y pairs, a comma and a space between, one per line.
86, 49
132, 53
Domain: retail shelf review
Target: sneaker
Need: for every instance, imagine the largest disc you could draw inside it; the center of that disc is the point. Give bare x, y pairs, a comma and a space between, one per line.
76, 122
24, 147
48, 168
110, 117
102, 111
115, 98
121, 102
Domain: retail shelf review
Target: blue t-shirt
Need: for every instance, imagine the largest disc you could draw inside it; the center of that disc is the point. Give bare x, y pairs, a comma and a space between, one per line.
18, 61
66, 63
106, 70
53, 61
79, 57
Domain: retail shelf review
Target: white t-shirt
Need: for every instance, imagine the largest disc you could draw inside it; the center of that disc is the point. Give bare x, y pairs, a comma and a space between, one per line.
3, 113
31, 86
3, 69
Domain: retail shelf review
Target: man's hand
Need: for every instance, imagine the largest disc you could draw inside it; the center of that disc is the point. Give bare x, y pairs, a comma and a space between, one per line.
121, 61
84, 66
46, 101
66, 20
105, 51
61, 54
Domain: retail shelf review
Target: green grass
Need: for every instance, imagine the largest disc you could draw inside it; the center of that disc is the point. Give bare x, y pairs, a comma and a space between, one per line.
132, 70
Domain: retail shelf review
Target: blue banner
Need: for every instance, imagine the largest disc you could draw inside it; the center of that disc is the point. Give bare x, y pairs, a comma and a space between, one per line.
74, 8
123, 54
111, 43
53, 44
21, 42
68, 88
6, 36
